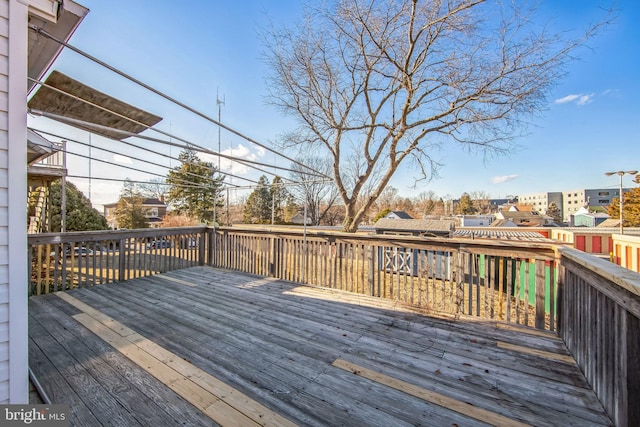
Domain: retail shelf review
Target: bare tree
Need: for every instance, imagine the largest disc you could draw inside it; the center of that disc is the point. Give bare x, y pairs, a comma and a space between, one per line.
426, 202
390, 81
481, 201
388, 198
319, 195
155, 188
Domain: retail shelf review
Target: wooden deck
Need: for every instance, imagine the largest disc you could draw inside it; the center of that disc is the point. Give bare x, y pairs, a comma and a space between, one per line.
207, 347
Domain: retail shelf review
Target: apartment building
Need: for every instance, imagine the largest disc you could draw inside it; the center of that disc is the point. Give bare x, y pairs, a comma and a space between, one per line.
570, 202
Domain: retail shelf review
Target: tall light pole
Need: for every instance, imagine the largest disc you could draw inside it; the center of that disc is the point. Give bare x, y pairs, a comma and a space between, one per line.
621, 174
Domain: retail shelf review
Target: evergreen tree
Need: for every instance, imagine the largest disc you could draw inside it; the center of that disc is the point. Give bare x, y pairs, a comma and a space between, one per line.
193, 189
465, 205
80, 215
381, 214
631, 213
279, 196
130, 213
291, 208
257, 209
554, 212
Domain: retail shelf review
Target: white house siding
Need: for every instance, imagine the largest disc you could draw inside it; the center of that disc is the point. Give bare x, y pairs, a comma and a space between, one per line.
14, 365
4, 188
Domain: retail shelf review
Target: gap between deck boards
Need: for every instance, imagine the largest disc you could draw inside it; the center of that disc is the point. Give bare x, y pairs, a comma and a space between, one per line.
221, 402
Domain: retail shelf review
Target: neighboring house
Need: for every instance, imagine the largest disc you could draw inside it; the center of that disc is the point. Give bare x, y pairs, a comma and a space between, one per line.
610, 223
24, 54
398, 215
45, 164
585, 218
155, 211
475, 220
415, 227
503, 223
299, 219
522, 219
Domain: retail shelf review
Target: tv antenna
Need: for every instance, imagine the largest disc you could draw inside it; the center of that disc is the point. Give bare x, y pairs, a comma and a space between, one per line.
220, 104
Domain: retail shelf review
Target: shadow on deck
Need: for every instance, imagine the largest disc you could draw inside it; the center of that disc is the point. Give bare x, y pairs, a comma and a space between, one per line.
208, 347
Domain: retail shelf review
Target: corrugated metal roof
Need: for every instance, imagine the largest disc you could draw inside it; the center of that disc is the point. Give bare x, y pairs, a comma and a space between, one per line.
501, 235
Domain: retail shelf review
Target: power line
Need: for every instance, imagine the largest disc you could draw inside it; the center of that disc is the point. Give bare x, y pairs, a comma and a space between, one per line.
187, 146
167, 97
132, 181
138, 158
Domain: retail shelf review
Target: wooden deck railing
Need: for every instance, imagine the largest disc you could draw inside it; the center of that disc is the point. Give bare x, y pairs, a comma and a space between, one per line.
600, 324
593, 305
510, 281
61, 261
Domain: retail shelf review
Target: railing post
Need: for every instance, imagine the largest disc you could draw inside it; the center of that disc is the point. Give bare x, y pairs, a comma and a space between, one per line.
202, 247
121, 259
272, 256
540, 294
371, 262
212, 247
632, 376
459, 280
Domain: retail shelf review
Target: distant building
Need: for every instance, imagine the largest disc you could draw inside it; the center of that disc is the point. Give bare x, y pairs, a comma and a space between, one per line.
521, 219
415, 227
155, 211
570, 202
474, 220
398, 215
503, 223
585, 218
299, 219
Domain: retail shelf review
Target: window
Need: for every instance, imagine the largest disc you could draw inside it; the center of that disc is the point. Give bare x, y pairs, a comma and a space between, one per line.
603, 193
603, 201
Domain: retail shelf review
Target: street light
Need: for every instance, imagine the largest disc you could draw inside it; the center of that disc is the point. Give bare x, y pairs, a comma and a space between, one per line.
621, 174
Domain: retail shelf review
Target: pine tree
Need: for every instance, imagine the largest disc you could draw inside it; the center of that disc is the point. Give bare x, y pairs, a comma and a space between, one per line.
257, 209
465, 205
129, 212
193, 189
279, 196
554, 212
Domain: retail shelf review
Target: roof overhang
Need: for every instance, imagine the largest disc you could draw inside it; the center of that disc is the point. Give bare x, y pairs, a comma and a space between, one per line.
38, 147
59, 19
69, 101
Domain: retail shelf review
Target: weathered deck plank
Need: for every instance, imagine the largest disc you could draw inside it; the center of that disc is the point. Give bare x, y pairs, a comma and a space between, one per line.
127, 381
276, 343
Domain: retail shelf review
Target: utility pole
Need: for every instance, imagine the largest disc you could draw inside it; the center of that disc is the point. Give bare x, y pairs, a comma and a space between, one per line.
89, 166
219, 103
621, 174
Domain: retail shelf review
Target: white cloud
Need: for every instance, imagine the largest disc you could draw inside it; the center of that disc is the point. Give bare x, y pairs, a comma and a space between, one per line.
585, 99
577, 98
241, 152
122, 159
568, 98
503, 178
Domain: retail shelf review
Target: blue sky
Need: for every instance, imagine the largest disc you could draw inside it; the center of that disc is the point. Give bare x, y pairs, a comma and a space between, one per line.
193, 50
